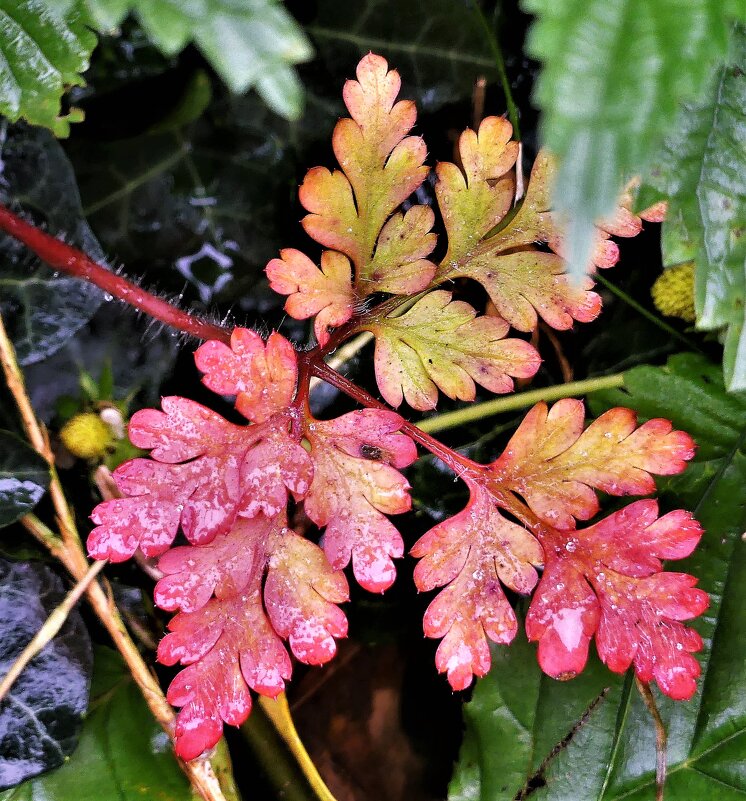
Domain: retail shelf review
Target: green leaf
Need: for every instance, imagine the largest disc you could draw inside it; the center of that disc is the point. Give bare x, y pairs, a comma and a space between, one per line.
42, 311
24, 478
249, 44
615, 74
122, 755
40, 56
438, 46
40, 717
701, 168
612, 756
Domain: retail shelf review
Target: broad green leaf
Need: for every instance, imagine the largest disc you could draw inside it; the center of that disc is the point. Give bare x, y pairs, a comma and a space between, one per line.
40, 310
250, 44
122, 755
615, 74
24, 477
40, 717
702, 168
40, 56
438, 46
614, 750
592, 739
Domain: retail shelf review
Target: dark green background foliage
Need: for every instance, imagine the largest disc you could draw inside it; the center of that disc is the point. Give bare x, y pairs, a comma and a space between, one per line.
173, 171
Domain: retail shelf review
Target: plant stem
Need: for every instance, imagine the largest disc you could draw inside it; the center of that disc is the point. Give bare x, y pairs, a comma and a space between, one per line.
49, 630
497, 54
479, 411
61, 256
661, 738
69, 550
641, 310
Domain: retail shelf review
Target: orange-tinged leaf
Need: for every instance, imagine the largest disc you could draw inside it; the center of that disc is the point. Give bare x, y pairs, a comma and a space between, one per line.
356, 484
326, 293
262, 377
528, 283
475, 200
556, 465
606, 581
381, 166
472, 554
441, 343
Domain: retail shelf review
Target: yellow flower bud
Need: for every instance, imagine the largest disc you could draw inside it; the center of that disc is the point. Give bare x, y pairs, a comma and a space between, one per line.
87, 436
673, 292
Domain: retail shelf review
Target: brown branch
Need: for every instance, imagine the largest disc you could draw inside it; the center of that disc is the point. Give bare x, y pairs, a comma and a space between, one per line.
661, 738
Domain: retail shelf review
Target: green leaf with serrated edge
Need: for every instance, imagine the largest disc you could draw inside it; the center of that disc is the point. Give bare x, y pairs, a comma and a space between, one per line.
40, 310
701, 168
40, 717
441, 343
612, 757
122, 755
250, 45
40, 55
24, 478
614, 76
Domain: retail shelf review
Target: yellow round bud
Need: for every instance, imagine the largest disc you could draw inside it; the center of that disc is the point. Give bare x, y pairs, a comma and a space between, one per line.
673, 292
87, 436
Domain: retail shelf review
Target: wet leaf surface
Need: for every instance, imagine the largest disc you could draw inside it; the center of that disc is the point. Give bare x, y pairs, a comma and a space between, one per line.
24, 477
40, 717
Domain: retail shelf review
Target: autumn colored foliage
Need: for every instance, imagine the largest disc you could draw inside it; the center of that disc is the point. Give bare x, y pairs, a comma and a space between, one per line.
247, 587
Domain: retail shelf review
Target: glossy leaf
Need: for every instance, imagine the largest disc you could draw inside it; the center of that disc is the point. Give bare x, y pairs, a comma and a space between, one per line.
442, 344
356, 483
42, 55
706, 736
40, 717
122, 754
700, 169
590, 73
555, 464
24, 478
37, 174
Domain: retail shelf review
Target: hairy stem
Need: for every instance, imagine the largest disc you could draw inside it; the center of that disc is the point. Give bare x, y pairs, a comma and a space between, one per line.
61, 256
478, 411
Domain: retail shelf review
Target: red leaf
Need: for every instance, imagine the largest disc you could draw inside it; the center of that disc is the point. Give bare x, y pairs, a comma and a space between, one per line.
471, 554
263, 377
233, 470
356, 483
556, 465
606, 580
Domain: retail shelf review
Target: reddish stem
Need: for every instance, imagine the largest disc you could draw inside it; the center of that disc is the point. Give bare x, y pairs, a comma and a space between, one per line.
61, 256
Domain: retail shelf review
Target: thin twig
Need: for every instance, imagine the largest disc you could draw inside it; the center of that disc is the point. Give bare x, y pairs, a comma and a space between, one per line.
49, 630
661, 738
69, 550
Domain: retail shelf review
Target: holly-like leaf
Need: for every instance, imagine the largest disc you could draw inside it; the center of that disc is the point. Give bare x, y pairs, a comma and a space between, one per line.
356, 482
475, 200
606, 580
472, 554
441, 343
326, 293
555, 464
381, 165
205, 472
261, 376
